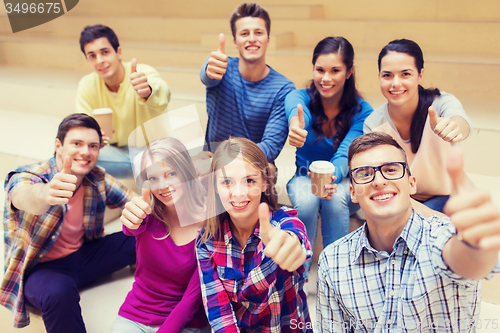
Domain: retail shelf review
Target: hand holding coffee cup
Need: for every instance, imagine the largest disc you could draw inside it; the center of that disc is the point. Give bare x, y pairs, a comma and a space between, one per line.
104, 118
321, 174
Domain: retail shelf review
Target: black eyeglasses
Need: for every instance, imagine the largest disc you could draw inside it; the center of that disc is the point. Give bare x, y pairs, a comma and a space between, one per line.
390, 171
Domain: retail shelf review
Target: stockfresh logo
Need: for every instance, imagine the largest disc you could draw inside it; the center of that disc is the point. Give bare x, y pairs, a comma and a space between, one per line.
26, 14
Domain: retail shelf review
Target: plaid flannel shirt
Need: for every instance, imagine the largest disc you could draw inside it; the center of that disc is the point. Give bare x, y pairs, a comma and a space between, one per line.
29, 237
411, 289
245, 291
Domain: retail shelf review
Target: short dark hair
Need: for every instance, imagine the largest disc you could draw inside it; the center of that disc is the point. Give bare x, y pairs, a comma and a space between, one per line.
92, 32
374, 139
77, 120
251, 9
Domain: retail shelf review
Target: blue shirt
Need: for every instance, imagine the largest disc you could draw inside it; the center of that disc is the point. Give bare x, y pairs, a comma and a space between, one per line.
242, 108
410, 289
323, 149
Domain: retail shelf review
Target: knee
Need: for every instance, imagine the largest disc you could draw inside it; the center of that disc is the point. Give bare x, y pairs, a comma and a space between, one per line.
61, 293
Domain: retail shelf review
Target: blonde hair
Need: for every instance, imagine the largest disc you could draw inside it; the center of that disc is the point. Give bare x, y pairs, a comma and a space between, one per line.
227, 151
174, 153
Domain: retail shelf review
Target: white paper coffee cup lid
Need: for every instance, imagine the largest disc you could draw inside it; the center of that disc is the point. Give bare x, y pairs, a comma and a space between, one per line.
322, 167
98, 112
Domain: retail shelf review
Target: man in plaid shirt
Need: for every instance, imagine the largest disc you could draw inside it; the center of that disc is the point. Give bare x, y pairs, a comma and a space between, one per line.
53, 224
401, 272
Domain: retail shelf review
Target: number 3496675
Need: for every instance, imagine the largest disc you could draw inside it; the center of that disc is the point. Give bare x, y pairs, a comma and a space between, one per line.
33, 8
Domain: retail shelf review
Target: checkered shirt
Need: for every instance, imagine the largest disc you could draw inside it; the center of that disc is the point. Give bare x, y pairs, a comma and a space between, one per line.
245, 291
29, 237
411, 289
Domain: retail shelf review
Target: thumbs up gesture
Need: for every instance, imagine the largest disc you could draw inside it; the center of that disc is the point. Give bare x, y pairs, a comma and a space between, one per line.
139, 81
217, 63
60, 189
296, 133
137, 209
283, 247
471, 210
446, 128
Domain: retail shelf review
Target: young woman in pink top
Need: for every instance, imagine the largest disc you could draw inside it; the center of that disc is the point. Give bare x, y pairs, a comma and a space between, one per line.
166, 295
425, 122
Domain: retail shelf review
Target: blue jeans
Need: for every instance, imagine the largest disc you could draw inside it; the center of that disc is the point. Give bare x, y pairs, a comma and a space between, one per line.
117, 160
52, 286
437, 203
124, 325
334, 213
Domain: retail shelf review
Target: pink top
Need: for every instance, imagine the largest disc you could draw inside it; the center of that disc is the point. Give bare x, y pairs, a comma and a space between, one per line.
166, 290
428, 165
71, 237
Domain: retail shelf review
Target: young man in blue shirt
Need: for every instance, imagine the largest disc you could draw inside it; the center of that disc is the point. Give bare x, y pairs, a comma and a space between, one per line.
245, 97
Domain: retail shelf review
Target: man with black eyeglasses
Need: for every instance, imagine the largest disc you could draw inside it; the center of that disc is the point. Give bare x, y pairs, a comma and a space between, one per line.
401, 272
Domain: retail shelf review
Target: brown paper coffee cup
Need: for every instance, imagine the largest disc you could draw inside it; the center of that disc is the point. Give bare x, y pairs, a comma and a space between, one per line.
104, 118
321, 174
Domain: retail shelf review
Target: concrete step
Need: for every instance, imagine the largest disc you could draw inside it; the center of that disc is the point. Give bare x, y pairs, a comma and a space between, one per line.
467, 76
45, 86
197, 8
413, 9
433, 35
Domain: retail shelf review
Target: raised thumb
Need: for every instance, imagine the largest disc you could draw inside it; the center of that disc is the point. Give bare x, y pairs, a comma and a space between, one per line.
146, 192
133, 65
433, 118
455, 167
300, 112
67, 165
265, 224
222, 43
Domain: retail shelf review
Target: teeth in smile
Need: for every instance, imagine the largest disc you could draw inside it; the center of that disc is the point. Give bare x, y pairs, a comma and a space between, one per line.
327, 86
397, 92
167, 194
383, 196
252, 48
240, 204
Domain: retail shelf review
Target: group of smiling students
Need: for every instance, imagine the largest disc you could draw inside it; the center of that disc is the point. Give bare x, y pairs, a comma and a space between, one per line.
249, 253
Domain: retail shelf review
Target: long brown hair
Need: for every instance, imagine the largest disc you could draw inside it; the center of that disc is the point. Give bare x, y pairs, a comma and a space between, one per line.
174, 153
227, 151
348, 104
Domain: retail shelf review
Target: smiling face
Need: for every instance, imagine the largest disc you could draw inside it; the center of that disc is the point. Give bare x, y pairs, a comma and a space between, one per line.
399, 79
240, 186
251, 39
82, 145
330, 74
166, 183
383, 200
104, 60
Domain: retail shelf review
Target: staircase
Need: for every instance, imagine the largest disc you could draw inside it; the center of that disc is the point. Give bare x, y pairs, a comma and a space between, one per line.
40, 67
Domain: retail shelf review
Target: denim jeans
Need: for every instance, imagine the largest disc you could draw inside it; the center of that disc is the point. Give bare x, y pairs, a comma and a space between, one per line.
124, 325
334, 213
52, 286
437, 203
117, 160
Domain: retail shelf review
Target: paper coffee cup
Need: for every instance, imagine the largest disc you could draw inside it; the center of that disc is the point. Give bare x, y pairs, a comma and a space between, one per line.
104, 118
321, 175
